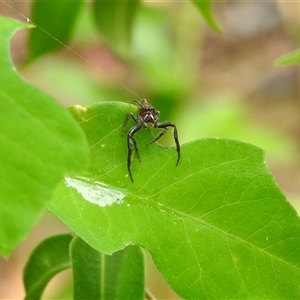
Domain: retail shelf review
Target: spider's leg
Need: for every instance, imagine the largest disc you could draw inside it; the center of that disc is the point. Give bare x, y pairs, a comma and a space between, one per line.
133, 117
132, 142
137, 103
165, 125
159, 136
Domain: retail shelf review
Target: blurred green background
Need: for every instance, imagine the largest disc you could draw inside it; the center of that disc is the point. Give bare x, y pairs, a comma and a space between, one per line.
209, 84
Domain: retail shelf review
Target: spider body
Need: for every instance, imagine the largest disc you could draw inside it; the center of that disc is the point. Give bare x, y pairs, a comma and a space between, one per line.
147, 115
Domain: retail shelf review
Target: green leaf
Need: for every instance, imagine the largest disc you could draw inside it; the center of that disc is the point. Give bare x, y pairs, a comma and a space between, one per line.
39, 143
205, 9
216, 225
49, 258
55, 21
100, 276
114, 20
292, 58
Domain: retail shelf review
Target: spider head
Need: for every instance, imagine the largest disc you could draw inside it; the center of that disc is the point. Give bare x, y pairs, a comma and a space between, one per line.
148, 114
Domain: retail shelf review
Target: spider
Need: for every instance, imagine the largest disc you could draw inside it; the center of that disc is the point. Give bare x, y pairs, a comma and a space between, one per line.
147, 114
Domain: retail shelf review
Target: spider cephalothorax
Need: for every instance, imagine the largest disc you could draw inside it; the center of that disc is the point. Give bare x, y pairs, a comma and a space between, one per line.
147, 115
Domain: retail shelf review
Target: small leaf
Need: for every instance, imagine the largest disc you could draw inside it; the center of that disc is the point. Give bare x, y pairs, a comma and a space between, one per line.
55, 21
292, 58
205, 9
114, 20
100, 276
49, 258
39, 143
216, 225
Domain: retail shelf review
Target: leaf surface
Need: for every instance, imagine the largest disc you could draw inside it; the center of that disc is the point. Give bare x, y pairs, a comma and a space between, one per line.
55, 21
49, 258
39, 143
114, 20
100, 276
216, 225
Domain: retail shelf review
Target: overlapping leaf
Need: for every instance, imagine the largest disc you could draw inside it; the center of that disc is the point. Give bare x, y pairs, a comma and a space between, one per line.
217, 225
39, 143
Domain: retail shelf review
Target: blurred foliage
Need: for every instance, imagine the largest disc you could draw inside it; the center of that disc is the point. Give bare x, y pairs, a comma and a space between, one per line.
205, 9
289, 59
50, 35
114, 20
225, 115
165, 68
96, 276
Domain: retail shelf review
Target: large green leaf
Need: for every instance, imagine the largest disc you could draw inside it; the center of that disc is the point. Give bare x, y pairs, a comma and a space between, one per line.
39, 143
216, 225
205, 9
55, 22
100, 276
49, 258
114, 20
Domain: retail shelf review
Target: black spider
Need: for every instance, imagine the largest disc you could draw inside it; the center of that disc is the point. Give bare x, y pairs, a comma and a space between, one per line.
147, 114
